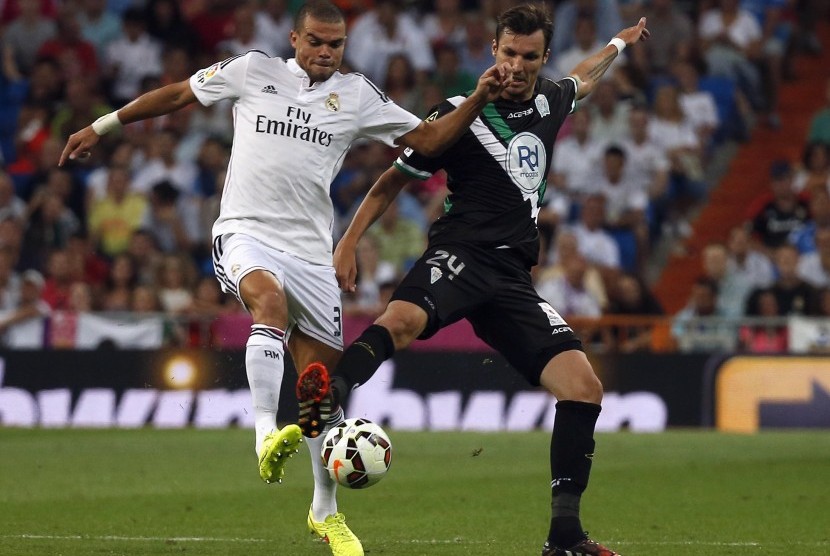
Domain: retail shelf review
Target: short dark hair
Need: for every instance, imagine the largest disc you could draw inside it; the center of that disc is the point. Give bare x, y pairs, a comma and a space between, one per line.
708, 283
615, 150
525, 20
780, 169
321, 10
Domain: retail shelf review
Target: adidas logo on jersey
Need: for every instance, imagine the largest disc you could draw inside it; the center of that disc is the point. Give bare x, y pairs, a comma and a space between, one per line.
270, 89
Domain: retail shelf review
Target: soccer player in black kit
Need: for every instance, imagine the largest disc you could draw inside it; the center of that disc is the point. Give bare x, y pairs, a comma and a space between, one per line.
477, 265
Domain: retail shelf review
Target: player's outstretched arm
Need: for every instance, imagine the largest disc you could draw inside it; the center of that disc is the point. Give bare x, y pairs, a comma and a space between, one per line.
589, 71
158, 102
380, 196
433, 137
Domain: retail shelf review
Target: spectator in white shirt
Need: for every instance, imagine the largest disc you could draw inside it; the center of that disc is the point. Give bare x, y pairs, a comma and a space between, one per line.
569, 292
585, 44
753, 265
731, 40
98, 25
243, 37
609, 113
273, 26
576, 159
383, 31
23, 327
445, 26
161, 164
646, 160
131, 58
26, 33
698, 106
595, 243
625, 199
565, 246
815, 267
476, 54
670, 128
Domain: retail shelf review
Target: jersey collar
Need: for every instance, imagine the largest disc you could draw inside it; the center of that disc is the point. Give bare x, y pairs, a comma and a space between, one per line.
295, 68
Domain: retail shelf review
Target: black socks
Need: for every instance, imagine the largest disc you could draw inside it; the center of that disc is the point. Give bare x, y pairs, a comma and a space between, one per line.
571, 454
360, 361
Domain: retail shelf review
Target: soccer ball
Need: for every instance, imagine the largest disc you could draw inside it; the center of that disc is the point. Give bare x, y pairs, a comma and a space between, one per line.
357, 453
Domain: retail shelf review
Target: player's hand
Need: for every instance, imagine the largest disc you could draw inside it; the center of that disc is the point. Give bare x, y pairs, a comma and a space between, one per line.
493, 81
635, 34
79, 144
345, 267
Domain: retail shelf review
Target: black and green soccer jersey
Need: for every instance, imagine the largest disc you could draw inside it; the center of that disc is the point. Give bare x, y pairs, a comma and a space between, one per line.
496, 172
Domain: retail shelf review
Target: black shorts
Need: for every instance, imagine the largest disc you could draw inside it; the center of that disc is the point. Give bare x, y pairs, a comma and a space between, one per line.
494, 292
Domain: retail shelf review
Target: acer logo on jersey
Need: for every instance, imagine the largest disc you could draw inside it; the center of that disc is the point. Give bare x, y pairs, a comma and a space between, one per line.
514, 115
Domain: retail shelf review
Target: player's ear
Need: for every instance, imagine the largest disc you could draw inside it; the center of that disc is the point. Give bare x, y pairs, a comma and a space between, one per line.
294, 37
495, 47
546, 56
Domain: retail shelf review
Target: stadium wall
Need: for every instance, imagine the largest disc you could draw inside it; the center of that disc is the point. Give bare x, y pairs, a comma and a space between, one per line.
417, 390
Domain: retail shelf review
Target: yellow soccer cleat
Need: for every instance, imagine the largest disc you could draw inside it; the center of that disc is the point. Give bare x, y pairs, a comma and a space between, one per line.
337, 534
277, 447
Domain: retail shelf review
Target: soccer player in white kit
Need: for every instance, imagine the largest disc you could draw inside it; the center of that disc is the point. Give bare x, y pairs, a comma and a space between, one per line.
294, 121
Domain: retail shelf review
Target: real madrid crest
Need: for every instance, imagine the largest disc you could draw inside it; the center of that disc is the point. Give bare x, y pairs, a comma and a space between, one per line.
333, 102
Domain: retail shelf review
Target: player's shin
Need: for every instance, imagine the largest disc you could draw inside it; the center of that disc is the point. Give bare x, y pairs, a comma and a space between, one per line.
360, 361
571, 454
265, 365
324, 502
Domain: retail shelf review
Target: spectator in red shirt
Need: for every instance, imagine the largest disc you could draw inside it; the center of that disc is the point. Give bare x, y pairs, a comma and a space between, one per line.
75, 55
56, 289
11, 9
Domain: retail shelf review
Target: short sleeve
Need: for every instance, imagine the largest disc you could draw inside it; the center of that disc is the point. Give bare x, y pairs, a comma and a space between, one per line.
416, 165
222, 80
638, 200
709, 26
563, 97
380, 118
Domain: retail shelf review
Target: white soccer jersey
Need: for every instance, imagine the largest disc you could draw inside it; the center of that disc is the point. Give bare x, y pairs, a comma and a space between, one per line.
289, 142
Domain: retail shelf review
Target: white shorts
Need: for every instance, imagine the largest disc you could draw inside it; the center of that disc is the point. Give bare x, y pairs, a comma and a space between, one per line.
314, 305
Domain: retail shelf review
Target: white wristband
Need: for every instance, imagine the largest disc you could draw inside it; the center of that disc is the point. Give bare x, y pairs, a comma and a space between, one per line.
105, 124
618, 43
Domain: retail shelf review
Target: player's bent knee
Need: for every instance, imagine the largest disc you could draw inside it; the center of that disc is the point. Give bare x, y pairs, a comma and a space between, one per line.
593, 389
268, 307
569, 376
403, 325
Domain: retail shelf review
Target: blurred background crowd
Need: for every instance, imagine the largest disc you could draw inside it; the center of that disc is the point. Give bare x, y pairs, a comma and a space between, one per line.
128, 230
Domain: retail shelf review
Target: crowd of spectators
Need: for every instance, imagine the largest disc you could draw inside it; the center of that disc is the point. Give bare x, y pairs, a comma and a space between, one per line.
128, 230
776, 265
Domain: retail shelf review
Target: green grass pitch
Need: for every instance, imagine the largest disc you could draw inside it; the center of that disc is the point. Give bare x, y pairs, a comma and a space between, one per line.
150, 492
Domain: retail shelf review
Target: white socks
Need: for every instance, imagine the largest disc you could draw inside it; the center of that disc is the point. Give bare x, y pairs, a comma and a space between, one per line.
324, 502
265, 366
